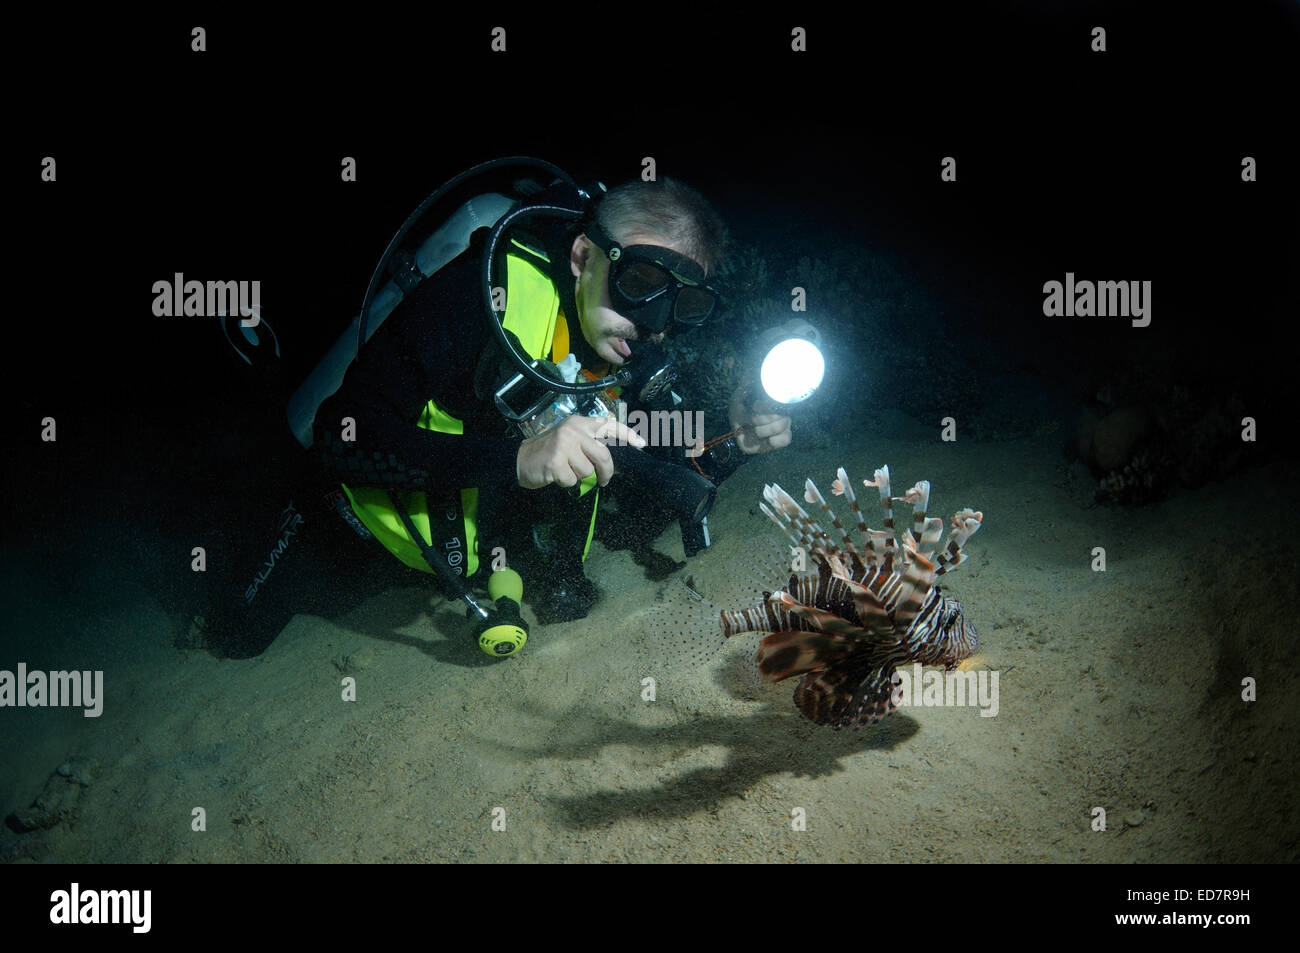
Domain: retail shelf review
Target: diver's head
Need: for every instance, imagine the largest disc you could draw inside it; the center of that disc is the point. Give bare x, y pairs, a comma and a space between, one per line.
642, 266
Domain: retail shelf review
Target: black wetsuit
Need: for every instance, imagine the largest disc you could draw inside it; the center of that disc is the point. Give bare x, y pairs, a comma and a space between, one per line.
434, 345
428, 348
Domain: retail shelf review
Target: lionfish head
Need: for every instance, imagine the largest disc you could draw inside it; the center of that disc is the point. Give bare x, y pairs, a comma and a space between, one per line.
958, 632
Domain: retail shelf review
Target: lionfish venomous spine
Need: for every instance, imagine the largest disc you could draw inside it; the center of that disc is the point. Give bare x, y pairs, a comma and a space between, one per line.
849, 626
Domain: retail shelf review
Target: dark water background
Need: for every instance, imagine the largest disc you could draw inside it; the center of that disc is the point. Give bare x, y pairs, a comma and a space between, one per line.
1115, 166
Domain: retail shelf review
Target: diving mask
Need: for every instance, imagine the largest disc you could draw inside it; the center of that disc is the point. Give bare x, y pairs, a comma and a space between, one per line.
651, 285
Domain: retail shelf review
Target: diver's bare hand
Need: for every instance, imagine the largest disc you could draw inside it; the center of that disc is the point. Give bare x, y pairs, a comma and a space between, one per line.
572, 451
761, 428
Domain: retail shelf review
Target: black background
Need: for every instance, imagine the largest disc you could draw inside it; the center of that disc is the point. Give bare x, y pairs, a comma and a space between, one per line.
1123, 164
225, 164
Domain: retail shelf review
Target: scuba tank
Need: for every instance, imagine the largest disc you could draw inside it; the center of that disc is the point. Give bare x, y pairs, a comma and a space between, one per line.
448, 241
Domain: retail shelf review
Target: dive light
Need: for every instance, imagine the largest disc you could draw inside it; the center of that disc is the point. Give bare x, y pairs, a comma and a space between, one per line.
792, 366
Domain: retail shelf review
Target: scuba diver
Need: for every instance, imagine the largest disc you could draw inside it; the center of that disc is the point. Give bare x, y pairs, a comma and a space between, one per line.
460, 443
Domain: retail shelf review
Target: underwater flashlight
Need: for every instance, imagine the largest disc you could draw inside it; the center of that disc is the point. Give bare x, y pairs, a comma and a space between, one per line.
793, 366
792, 371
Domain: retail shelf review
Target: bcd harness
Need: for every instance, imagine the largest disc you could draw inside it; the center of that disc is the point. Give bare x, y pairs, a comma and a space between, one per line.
419, 528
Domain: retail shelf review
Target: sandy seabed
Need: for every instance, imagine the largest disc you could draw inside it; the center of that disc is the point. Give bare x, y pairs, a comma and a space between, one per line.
1118, 689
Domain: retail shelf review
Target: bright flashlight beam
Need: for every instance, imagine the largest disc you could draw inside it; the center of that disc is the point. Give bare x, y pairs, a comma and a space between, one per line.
792, 371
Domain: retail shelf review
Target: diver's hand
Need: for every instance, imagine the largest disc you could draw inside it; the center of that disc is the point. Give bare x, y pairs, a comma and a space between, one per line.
570, 452
763, 428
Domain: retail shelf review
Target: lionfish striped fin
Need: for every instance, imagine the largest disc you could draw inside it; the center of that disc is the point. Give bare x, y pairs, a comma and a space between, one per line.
841, 696
919, 497
925, 533
931, 533
872, 614
964, 525
784, 524
820, 546
822, 696
809, 535
819, 619
813, 495
758, 619
881, 482
837, 567
917, 581
877, 548
842, 485
779, 611
872, 700
795, 652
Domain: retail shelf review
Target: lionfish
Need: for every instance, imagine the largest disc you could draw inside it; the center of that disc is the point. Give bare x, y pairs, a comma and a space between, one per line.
847, 627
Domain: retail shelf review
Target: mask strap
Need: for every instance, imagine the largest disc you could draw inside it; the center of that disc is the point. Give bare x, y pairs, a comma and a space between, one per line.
612, 249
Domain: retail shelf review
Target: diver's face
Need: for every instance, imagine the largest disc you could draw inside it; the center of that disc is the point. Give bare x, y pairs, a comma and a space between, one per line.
605, 329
